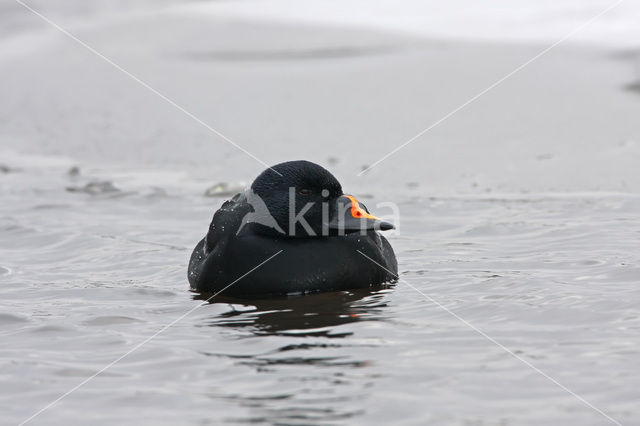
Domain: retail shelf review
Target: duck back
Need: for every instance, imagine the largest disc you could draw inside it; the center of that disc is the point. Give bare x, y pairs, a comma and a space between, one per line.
231, 248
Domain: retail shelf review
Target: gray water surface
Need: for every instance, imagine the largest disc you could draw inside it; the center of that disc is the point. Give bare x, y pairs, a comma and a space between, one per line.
87, 274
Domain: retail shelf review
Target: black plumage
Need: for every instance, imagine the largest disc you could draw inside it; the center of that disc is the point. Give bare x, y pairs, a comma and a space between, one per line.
324, 253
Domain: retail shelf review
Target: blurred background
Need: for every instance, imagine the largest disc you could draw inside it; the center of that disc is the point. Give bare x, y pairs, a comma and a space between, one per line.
519, 207
341, 82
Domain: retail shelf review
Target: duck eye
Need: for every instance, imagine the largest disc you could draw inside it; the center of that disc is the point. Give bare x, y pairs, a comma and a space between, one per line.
304, 191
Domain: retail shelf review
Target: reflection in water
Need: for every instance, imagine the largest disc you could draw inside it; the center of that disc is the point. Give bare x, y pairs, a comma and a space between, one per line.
311, 315
321, 369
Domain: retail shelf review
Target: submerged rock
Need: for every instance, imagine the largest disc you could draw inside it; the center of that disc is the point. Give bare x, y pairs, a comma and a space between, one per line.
95, 188
74, 171
223, 189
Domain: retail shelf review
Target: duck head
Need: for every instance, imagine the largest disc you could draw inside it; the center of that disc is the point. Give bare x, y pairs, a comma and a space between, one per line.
303, 199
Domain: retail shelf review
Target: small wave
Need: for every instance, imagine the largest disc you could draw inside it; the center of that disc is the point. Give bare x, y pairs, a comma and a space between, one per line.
291, 54
111, 320
11, 319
